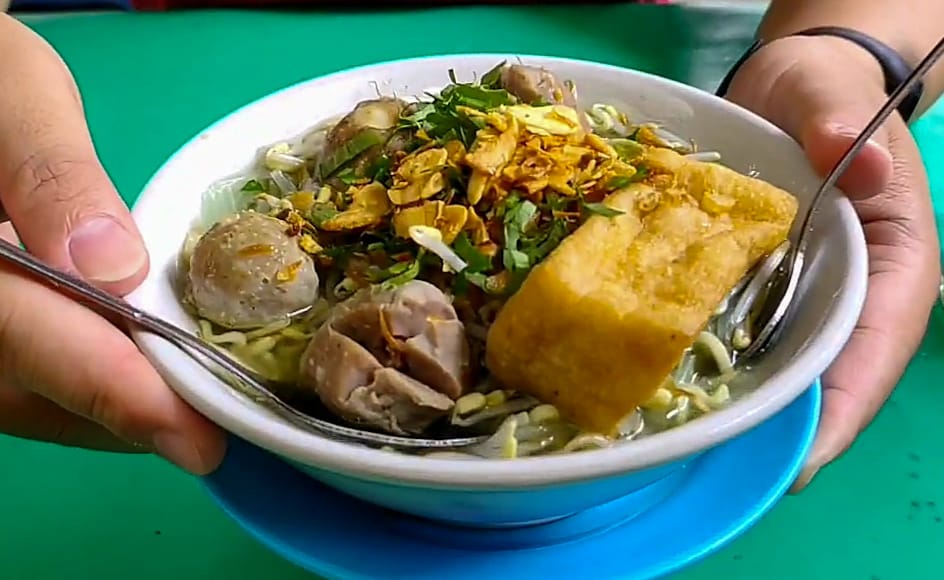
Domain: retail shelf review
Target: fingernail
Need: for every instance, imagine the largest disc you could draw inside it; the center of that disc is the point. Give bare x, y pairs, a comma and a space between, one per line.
102, 250
180, 451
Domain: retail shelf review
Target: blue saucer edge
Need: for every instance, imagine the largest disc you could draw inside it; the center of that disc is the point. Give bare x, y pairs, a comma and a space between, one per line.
290, 534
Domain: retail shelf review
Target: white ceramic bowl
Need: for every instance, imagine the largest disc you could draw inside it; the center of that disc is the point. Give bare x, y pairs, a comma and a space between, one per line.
524, 490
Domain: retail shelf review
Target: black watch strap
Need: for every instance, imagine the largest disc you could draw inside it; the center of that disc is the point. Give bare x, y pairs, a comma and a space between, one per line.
894, 66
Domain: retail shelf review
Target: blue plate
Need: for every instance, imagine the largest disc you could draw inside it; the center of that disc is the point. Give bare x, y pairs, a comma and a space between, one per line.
716, 498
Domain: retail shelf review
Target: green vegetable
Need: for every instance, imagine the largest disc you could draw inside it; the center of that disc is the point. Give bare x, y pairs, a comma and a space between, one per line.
380, 275
407, 274
380, 169
418, 117
442, 121
340, 254
253, 186
542, 247
556, 202
517, 219
476, 260
618, 182
516, 260
321, 212
488, 284
362, 141
476, 97
492, 79
347, 176
626, 149
601, 209
477, 264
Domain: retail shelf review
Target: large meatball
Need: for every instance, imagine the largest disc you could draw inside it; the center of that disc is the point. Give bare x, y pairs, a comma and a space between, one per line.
247, 272
392, 360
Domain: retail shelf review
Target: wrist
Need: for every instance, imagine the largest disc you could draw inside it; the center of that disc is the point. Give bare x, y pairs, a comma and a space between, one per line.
757, 74
909, 27
888, 21
849, 53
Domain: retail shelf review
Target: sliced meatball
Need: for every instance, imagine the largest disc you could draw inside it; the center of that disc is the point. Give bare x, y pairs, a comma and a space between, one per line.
353, 384
247, 272
360, 137
532, 84
381, 114
393, 360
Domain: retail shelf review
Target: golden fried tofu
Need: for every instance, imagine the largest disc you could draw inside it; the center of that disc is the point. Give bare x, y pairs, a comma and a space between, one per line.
599, 325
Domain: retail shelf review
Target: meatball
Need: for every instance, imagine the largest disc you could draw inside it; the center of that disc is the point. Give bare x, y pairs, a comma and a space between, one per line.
378, 115
392, 360
247, 272
531, 84
360, 138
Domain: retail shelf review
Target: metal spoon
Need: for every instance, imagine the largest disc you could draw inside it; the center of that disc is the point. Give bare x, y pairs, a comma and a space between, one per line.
215, 360
769, 295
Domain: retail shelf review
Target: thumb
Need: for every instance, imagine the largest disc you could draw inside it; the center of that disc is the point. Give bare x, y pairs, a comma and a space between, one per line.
827, 137
52, 186
802, 85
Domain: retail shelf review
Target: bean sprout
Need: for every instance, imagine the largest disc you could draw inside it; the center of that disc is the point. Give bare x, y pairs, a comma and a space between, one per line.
278, 158
606, 120
431, 239
705, 156
718, 351
282, 182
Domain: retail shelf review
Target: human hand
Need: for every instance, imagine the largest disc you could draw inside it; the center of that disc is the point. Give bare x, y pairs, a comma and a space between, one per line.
66, 374
823, 91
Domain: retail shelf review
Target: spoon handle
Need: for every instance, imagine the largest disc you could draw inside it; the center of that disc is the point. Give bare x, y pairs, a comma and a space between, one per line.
88, 294
895, 99
191, 345
197, 349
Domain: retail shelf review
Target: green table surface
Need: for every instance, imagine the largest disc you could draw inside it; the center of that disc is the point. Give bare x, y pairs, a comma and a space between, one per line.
150, 82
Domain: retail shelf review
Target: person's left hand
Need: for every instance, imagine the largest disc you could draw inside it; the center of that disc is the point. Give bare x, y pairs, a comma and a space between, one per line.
823, 91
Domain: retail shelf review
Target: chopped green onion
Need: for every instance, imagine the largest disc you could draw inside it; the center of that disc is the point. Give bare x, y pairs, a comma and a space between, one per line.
626, 149
253, 186
476, 260
618, 182
407, 275
320, 213
492, 79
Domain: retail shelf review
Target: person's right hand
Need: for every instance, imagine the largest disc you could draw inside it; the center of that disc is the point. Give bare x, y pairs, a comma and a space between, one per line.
66, 374
823, 91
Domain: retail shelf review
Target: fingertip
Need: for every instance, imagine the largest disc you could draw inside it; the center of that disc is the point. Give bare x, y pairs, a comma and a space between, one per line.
191, 442
870, 172
127, 285
210, 441
199, 457
813, 463
214, 452
804, 478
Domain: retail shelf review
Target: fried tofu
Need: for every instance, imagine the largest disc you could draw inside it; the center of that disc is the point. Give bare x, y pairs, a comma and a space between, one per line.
599, 325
